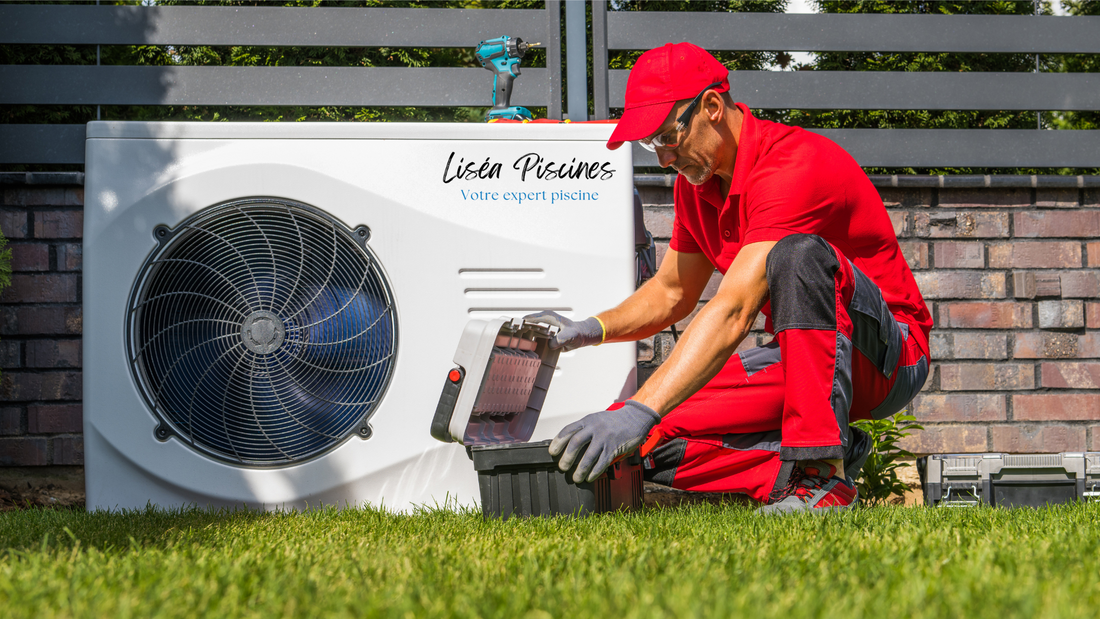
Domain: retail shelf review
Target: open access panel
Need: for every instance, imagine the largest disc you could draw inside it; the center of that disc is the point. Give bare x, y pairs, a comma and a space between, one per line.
491, 402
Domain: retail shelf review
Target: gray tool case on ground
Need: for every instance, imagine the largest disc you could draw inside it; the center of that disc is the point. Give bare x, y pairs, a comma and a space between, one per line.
491, 402
1010, 480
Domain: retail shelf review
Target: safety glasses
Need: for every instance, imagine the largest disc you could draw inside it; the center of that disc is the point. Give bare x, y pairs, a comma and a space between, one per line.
671, 138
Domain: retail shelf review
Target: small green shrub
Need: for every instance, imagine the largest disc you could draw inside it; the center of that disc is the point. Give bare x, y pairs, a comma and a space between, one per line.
879, 481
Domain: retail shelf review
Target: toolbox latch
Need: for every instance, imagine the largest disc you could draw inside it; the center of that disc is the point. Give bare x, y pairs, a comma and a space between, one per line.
446, 406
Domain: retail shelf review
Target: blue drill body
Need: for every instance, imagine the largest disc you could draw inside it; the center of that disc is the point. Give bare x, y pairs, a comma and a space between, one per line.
501, 56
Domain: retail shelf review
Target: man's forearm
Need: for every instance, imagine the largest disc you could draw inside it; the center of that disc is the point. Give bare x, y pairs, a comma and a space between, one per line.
649, 310
702, 351
713, 335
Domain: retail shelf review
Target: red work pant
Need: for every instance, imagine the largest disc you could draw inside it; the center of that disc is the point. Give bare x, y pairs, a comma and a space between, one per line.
838, 354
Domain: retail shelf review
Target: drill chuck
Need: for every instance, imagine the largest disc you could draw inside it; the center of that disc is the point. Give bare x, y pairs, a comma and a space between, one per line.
517, 48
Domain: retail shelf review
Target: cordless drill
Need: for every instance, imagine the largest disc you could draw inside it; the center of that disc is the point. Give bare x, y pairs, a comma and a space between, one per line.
501, 56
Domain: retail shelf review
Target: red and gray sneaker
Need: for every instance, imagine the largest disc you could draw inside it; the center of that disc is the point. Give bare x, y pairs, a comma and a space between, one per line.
813, 487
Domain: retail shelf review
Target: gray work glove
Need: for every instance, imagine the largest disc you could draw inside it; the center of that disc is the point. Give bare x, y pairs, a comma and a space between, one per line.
608, 435
571, 335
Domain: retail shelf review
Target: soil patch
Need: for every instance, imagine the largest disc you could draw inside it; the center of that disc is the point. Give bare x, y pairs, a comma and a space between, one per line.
25, 487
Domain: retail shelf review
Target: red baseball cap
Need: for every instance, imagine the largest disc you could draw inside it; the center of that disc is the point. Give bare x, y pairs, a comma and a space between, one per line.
661, 77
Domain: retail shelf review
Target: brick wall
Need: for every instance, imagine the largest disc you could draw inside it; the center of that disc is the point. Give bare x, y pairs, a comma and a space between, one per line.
1008, 266
40, 321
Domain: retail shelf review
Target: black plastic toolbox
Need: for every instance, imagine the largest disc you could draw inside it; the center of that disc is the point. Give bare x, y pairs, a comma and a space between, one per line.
490, 403
523, 479
1009, 480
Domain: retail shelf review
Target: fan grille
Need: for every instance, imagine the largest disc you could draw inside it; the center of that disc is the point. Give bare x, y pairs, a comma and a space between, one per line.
261, 332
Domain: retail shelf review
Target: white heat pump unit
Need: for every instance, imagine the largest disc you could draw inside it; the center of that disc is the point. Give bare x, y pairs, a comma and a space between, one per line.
270, 309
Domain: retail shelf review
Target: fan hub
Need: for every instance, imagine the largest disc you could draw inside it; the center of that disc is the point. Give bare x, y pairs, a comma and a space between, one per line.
263, 332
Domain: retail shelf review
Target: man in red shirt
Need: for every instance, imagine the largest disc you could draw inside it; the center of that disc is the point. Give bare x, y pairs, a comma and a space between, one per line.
798, 233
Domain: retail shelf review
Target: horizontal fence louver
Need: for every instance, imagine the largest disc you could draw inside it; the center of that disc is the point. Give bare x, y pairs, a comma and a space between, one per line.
262, 26
929, 148
44, 144
309, 86
874, 90
857, 33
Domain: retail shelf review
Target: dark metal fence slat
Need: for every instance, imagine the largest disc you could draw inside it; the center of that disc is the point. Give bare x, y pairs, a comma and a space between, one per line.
44, 144
129, 85
881, 90
931, 148
599, 61
1001, 148
552, 40
307, 86
856, 33
576, 57
265, 26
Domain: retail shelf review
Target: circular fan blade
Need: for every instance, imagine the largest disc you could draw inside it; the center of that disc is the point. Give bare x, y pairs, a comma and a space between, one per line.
262, 332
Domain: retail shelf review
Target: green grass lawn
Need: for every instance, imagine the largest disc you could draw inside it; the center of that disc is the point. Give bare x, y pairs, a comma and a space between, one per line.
689, 561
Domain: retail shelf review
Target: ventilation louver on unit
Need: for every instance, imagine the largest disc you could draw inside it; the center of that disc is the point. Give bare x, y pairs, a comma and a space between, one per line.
262, 332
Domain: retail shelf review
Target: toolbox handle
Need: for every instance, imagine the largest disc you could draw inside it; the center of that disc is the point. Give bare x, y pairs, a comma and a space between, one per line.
960, 502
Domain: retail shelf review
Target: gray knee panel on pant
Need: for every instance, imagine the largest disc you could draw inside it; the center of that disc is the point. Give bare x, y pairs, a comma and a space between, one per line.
801, 271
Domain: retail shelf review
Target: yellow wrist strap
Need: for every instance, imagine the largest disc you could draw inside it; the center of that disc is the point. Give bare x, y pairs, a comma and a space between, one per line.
603, 330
